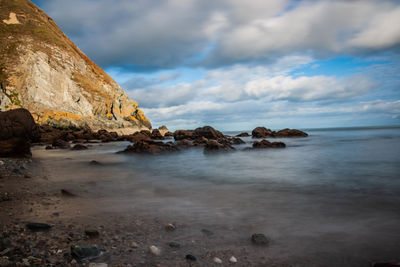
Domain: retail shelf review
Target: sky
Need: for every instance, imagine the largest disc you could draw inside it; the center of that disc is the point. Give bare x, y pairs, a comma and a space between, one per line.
236, 64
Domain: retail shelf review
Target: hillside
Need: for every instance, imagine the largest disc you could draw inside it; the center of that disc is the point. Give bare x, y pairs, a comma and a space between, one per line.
42, 70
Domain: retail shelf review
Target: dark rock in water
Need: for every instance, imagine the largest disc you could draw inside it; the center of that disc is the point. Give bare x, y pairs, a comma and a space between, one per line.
237, 141
207, 232
86, 253
150, 147
200, 141
267, 144
138, 136
184, 143
168, 134
92, 232
95, 163
59, 143
243, 134
49, 147
214, 146
208, 132
190, 257
146, 132
290, 133
36, 227
183, 134
386, 264
259, 239
68, 193
174, 244
79, 147
17, 130
261, 132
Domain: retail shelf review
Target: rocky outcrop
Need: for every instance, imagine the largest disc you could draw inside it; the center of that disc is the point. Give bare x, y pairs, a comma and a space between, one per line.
266, 144
262, 132
17, 131
150, 147
207, 132
44, 72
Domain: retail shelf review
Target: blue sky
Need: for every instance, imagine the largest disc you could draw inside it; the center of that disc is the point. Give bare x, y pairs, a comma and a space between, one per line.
237, 64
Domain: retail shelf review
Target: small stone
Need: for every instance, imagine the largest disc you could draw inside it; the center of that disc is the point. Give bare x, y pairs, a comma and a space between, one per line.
67, 193
233, 259
92, 232
134, 245
4, 262
154, 250
38, 226
217, 260
73, 262
170, 227
207, 232
260, 239
1, 163
190, 257
174, 244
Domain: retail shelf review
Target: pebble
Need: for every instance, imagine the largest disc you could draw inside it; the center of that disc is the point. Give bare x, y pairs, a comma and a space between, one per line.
174, 244
154, 250
1, 163
92, 232
170, 227
134, 245
38, 226
217, 260
260, 239
190, 257
233, 259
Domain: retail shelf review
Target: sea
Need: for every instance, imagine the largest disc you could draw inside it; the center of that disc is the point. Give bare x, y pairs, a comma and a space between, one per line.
335, 192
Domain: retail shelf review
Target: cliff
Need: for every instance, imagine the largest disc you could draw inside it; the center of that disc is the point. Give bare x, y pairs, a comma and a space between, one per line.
42, 70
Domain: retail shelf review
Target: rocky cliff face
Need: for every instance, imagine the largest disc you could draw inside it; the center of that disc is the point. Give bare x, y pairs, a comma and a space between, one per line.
44, 72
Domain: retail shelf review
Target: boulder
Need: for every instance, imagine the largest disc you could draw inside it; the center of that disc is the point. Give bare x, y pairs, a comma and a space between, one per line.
290, 133
208, 132
163, 130
59, 143
156, 134
168, 134
150, 147
17, 131
267, 144
79, 147
138, 136
214, 146
244, 134
183, 134
261, 132
236, 141
184, 143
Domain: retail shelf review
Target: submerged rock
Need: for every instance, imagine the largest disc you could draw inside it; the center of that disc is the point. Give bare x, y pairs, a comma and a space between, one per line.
37, 227
267, 144
79, 147
68, 193
260, 239
86, 253
244, 134
290, 133
215, 146
150, 147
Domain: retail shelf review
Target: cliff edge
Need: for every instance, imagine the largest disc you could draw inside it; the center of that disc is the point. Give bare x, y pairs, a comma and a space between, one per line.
42, 70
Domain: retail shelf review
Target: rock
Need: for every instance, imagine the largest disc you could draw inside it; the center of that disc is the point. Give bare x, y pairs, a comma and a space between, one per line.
200, 141
18, 129
49, 147
133, 245
266, 144
5, 243
217, 260
174, 244
170, 227
163, 130
261, 132
138, 136
183, 134
233, 259
92, 232
207, 132
155, 134
154, 250
190, 257
236, 141
168, 134
5, 262
184, 143
37, 227
290, 133
59, 143
150, 147
1, 163
260, 239
81, 253
244, 134
67, 193
79, 147
95, 163
214, 146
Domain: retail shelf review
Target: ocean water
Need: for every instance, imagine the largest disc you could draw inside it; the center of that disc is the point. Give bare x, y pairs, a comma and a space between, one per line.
336, 192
